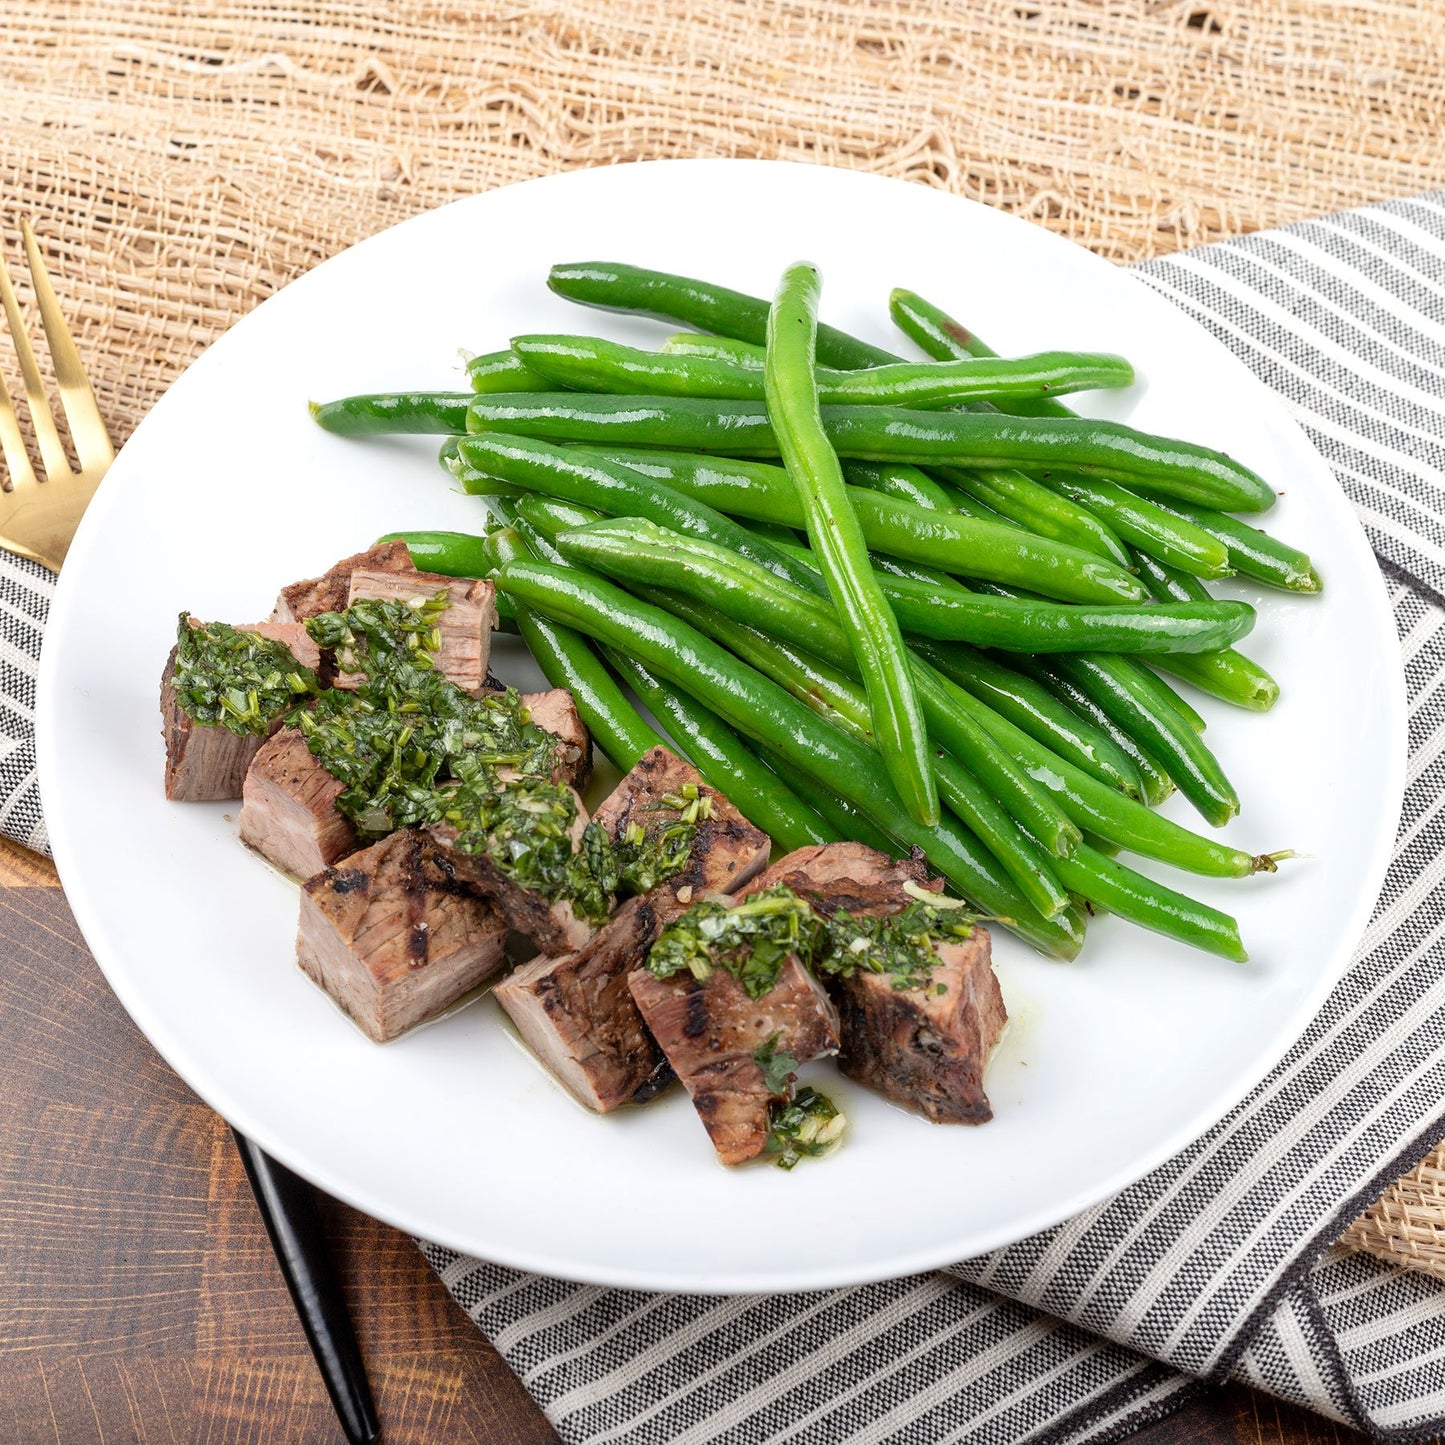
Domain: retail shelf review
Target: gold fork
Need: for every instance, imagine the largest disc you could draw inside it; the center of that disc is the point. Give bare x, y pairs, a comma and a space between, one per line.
39, 515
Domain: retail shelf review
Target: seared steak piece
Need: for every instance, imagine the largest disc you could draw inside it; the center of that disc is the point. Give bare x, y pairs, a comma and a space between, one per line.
711, 1031
848, 876
553, 926
577, 1016
465, 627
208, 764
392, 939
203, 764
329, 592
289, 815
726, 849
555, 712
924, 1049
576, 1012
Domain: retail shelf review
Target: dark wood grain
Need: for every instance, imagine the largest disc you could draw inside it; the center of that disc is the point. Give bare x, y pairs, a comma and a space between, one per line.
138, 1297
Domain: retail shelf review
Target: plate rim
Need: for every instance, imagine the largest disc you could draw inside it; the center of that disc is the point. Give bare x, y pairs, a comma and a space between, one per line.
1180, 1138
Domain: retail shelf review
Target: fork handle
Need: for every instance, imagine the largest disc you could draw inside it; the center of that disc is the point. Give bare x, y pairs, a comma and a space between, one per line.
288, 1208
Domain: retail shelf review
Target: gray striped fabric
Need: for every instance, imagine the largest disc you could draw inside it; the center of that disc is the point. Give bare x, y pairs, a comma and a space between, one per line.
25, 591
1216, 1266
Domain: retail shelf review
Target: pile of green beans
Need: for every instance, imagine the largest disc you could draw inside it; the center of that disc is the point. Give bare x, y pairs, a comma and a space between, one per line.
931, 597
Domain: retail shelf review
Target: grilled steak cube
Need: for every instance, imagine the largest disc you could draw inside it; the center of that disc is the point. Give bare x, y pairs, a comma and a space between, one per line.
711, 1031
554, 926
921, 1048
726, 849
208, 764
392, 939
847, 876
289, 815
576, 1011
578, 1017
465, 627
555, 712
329, 592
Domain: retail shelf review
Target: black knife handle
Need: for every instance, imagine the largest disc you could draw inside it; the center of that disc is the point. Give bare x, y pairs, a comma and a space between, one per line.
288, 1208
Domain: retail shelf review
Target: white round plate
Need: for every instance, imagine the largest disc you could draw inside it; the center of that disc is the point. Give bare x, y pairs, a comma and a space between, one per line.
1111, 1064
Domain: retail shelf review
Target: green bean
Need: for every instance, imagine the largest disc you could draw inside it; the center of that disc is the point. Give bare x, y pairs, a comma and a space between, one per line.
567, 660
1251, 552
837, 539
953, 614
587, 478
1165, 692
1087, 744
938, 335
741, 591
538, 526
983, 439
765, 712
967, 506
434, 412
1017, 625
504, 371
448, 554
1032, 505
892, 567
828, 693
1100, 809
1157, 784
1151, 905
592, 363
725, 764
1144, 524
839, 814
1129, 697
611, 286
761, 492
1228, 675
1166, 583
898, 479
719, 348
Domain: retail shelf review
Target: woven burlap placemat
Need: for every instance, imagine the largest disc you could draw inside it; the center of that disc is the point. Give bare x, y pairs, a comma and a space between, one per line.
181, 166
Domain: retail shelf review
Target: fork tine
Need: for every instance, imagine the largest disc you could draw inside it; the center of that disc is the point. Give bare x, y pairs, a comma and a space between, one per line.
52, 454
12, 443
92, 441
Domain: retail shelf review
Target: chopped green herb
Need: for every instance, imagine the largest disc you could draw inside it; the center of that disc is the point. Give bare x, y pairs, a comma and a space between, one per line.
751, 939
525, 828
805, 1127
778, 1067
901, 944
649, 855
236, 680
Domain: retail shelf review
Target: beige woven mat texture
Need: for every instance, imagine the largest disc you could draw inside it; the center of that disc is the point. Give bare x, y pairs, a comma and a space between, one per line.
182, 162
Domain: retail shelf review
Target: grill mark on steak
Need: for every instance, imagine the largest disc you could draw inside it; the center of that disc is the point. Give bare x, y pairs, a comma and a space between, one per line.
710, 1031
358, 930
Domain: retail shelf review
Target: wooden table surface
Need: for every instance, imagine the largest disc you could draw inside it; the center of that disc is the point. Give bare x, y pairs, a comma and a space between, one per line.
138, 1297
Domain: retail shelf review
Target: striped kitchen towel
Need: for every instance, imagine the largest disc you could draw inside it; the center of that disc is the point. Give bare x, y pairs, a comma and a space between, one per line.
1218, 1265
